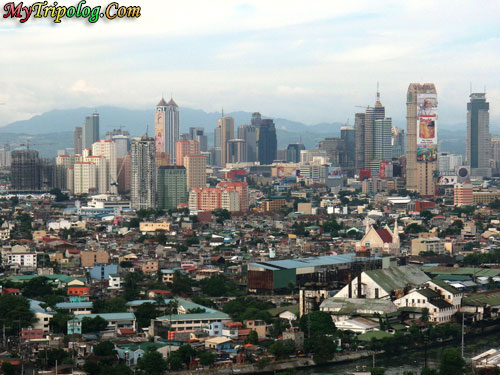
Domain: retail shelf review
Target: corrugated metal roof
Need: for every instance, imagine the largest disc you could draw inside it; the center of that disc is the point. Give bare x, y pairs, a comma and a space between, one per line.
393, 278
325, 260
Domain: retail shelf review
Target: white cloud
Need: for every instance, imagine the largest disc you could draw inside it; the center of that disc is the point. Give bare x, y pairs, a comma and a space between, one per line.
82, 87
293, 91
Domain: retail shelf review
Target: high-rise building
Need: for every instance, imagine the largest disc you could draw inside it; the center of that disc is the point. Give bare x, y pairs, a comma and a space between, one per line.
77, 135
198, 134
447, 163
123, 173
236, 151
398, 142
348, 158
313, 156
478, 147
196, 170
226, 129
107, 149
143, 173
293, 152
186, 147
334, 148
382, 148
421, 138
241, 188
90, 132
122, 143
85, 177
25, 170
463, 194
372, 114
359, 130
249, 134
167, 127
495, 153
172, 188
267, 144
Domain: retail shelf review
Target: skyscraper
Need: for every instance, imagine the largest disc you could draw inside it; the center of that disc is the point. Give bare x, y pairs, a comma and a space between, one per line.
186, 147
421, 138
398, 142
226, 126
90, 133
382, 147
172, 188
347, 134
107, 149
196, 171
143, 173
78, 139
293, 152
25, 170
249, 134
334, 148
371, 115
359, 130
478, 149
267, 145
236, 151
167, 127
198, 134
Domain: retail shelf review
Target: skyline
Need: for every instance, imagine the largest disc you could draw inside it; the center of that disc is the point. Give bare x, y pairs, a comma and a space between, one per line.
308, 65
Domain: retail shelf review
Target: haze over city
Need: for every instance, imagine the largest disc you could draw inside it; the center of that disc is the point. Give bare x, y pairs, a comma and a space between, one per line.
309, 62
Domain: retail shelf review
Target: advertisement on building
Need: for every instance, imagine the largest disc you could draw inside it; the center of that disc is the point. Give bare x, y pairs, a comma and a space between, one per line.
427, 127
334, 172
447, 180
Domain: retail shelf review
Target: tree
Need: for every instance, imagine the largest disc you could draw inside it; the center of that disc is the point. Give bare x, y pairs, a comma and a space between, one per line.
322, 346
116, 304
59, 322
130, 287
152, 363
253, 338
207, 358
37, 287
15, 312
181, 283
105, 349
318, 323
144, 313
95, 324
8, 368
451, 362
377, 371
282, 349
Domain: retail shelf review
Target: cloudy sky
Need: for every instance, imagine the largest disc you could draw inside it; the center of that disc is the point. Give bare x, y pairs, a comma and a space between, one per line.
311, 61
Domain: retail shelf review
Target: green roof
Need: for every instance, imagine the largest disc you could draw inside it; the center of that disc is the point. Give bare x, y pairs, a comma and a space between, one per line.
202, 316
357, 306
64, 279
377, 335
446, 286
486, 272
278, 310
487, 298
393, 278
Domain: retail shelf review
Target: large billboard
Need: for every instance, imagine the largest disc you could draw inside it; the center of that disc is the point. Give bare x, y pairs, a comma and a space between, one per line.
334, 172
426, 127
447, 180
385, 170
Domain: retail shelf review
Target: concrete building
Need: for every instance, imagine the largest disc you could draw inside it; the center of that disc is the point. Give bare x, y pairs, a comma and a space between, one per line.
78, 139
90, 132
167, 127
184, 148
372, 114
359, 146
198, 134
463, 194
293, 152
91, 258
107, 149
448, 162
427, 244
143, 173
249, 134
25, 170
196, 171
84, 178
236, 151
172, 187
241, 188
478, 139
226, 130
267, 144
421, 138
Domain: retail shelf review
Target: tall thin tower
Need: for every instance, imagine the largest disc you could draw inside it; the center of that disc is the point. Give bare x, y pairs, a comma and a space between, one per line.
372, 114
143, 173
478, 141
167, 127
421, 138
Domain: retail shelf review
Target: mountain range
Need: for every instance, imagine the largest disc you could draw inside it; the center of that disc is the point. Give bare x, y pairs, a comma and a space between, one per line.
53, 130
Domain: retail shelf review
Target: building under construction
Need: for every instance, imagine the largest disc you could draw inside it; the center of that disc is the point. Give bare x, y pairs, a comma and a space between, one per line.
327, 272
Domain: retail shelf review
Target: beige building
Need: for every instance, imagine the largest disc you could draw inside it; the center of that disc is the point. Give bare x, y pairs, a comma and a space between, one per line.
196, 166
186, 147
107, 149
91, 258
226, 126
85, 177
421, 162
148, 226
427, 244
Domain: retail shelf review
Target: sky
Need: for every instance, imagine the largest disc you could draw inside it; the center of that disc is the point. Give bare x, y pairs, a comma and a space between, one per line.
310, 61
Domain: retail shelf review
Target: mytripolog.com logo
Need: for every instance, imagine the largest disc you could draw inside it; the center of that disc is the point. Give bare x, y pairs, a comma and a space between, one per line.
57, 12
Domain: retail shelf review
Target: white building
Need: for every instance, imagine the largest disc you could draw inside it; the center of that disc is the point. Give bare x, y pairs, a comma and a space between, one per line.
85, 177
439, 310
107, 149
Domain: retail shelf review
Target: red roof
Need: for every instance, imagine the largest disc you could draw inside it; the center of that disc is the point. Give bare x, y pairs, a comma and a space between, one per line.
161, 291
384, 235
234, 324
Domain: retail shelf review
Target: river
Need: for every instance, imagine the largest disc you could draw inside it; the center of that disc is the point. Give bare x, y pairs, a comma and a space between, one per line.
412, 361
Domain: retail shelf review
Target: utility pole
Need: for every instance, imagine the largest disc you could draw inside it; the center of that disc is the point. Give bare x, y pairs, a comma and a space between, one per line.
463, 325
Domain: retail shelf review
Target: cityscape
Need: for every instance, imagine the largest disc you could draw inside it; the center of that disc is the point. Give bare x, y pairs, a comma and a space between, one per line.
196, 189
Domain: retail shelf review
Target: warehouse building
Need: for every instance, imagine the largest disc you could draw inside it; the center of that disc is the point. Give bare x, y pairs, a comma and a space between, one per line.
331, 271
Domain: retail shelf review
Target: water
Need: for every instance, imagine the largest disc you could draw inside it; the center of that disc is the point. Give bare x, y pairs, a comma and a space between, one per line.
412, 361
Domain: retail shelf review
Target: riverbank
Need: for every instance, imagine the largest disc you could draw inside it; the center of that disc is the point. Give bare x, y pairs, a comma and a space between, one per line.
309, 363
